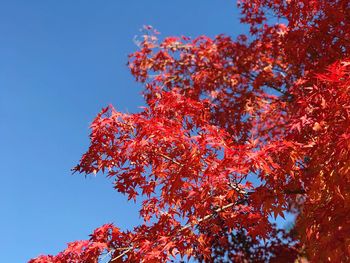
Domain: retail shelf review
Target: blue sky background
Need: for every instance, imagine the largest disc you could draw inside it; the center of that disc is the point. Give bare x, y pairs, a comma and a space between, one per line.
60, 63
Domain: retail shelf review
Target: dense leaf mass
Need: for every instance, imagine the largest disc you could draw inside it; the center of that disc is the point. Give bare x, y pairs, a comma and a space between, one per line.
234, 131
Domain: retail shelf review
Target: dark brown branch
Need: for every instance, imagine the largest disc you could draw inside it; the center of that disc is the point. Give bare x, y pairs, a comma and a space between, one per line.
294, 191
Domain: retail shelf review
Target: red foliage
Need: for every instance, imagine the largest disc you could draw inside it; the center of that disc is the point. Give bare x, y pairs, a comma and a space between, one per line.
234, 131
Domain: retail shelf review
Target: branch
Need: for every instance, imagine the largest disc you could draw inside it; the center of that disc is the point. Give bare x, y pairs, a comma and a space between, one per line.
171, 159
238, 190
218, 210
122, 254
294, 191
207, 216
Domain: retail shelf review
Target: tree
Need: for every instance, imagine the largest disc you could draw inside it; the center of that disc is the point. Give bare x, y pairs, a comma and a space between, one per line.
234, 131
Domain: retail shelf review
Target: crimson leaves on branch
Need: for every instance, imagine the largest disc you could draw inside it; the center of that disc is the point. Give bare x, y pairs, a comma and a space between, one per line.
234, 131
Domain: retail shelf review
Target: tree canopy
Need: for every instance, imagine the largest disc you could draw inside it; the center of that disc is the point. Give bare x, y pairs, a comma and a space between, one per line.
234, 131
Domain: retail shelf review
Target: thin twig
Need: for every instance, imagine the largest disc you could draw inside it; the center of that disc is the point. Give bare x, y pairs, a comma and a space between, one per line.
171, 159
207, 216
122, 254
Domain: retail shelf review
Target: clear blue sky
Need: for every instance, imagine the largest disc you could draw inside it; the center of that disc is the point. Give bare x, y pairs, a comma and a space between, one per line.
60, 63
